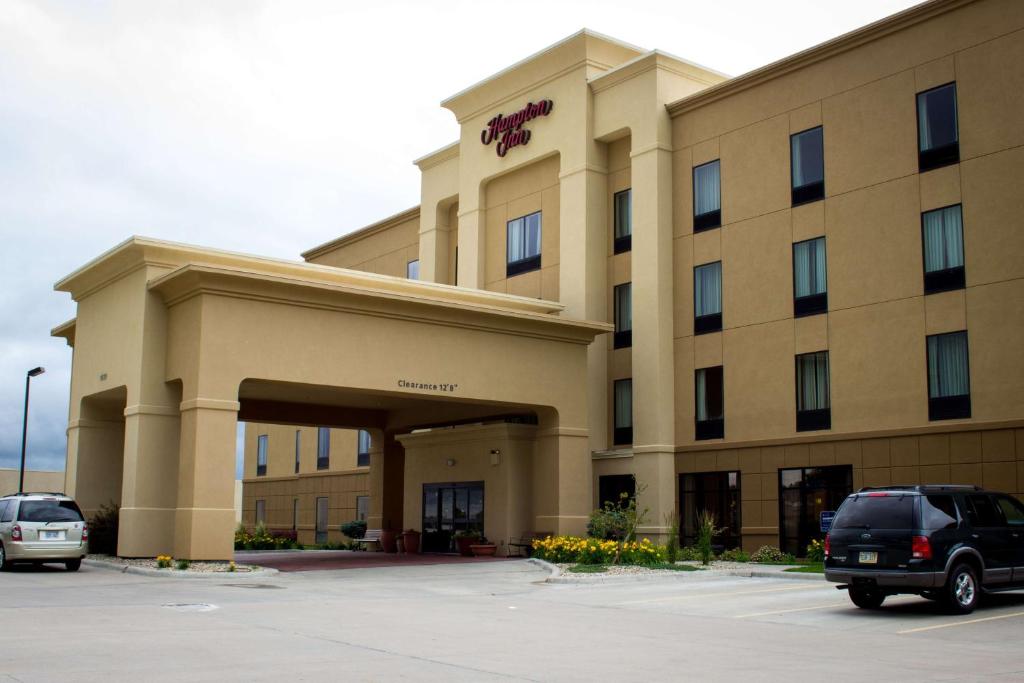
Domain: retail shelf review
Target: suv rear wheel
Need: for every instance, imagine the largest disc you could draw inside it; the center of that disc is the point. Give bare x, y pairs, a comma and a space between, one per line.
962, 590
866, 598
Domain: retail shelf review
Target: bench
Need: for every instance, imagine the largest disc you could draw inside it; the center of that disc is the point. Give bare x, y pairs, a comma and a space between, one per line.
371, 536
523, 545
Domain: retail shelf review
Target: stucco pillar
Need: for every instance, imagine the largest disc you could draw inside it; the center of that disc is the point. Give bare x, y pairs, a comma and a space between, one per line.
94, 466
583, 278
653, 358
472, 242
205, 516
387, 483
434, 236
149, 488
562, 477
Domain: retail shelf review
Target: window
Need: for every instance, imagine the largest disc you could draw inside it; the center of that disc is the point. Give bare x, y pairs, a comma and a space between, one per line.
804, 493
717, 493
623, 221
938, 138
807, 164
412, 270
623, 391
707, 196
49, 510
321, 520
298, 449
623, 315
362, 507
523, 245
1013, 511
295, 514
363, 453
323, 448
261, 511
710, 404
982, 512
707, 298
810, 289
938, 512
7, 510
261, 455
942, 236
813, 409
949, 378
616, 489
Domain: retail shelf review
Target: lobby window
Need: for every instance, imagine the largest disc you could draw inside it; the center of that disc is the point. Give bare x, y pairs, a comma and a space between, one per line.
718, 493
295, 514
949, 377
707, 298
938, 137
707, 196
623, 221
298, 449
617, 489
323, 448
710, 415
362, 508
412, 270
807, 163
261, 511
321, 520
942, 235
810, 289
363, 453
813, 406
623, 315
261, 455
623, 392
523, 245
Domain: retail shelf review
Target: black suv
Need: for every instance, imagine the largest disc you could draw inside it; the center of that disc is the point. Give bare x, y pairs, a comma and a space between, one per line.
942, 542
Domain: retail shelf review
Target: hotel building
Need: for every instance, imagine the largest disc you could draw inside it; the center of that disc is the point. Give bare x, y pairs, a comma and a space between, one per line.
630, 273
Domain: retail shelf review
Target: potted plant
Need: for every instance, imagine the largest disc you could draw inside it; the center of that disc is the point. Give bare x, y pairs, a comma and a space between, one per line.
483, 548
464, 538
387, 541
411, 540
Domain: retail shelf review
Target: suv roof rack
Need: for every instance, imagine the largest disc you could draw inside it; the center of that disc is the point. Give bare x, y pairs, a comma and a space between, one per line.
39, 493
923, 487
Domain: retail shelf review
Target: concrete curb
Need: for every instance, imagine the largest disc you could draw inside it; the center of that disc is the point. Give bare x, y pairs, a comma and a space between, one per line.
553, 571
260, 572
556, 575
763, 574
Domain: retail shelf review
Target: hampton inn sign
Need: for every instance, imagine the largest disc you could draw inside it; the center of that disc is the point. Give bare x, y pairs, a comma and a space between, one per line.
508, 130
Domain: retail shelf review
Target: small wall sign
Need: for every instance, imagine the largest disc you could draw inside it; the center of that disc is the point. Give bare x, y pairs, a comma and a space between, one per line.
446, 387
509, 131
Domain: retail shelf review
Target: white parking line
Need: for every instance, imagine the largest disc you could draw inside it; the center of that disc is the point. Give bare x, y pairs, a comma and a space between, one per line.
718, 595
786, 611
960, 623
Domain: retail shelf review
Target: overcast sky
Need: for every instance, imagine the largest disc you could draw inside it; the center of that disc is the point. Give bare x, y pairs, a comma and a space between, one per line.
267, 127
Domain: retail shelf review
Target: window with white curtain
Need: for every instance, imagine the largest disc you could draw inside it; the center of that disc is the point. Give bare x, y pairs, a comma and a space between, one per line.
261, 511
362, 507
710, 403
412, 270
807, 164
261, 454
523, 246
623, 315
707, 297
813, 404
623, 221
623, 418
363, 449
949, 378
810, 287
707, 196
938, 136
323, 448
942, 236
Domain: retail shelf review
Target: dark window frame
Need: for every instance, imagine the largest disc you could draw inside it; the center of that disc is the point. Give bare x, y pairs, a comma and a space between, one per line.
947, 279
622, 436
711, 322
955, 407
808, 192
617, 482
323, 454
363, 456
529, 263
298, 450
622, 337
817, 419
733, 538
805, 531
262, 448
937, 157
708, 220
811, 304
622, 243
712, 428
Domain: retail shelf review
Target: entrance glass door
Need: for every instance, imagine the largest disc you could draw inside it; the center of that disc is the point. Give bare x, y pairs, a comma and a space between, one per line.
804, 493
448, 508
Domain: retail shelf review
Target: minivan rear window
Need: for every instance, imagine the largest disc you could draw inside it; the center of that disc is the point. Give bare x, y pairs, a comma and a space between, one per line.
876, 512
49, 511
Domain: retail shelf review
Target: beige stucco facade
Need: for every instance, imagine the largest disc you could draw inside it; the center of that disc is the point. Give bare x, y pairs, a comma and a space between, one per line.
530, 379
35, 480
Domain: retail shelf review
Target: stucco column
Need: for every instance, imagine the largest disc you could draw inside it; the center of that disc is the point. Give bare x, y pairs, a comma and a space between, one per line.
562, 481
387, 484
205, 516
434, 236
653, 358
95, 458
472, 242
149, 488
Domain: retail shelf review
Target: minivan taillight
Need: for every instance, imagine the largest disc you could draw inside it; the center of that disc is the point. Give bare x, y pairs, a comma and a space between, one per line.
85, 533
921, 548
828, 545
15, 533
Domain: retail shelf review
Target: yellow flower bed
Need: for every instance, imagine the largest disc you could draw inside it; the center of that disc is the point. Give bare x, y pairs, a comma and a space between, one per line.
575, 549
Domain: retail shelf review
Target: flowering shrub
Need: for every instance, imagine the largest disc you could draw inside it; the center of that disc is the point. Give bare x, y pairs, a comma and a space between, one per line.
572, 549
816, 551
767, 553
163, 561
262, 539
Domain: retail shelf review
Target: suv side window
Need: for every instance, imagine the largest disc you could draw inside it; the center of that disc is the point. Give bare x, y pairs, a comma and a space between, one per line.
1012, 510
982, 511
938, 512
7, 510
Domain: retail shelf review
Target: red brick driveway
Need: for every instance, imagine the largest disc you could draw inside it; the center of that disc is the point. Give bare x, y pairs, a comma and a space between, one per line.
317, 560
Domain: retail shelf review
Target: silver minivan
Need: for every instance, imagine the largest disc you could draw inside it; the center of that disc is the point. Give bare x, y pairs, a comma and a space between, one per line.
42, 527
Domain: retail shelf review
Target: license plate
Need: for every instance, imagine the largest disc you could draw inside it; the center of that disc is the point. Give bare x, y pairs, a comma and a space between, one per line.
51, 535
868, 558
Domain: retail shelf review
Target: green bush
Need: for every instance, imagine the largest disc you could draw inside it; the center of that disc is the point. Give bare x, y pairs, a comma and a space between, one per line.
610, 523
735, 555
575, 550
103, 530
689, 554
354, 529
771, 554
815, 551
261, 539
182, 565
672, 547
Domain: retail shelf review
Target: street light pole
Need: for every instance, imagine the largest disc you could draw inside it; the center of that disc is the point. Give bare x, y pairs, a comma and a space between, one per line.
24, 426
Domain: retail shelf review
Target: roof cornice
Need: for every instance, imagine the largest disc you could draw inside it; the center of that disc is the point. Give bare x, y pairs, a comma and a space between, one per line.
830, 48
362, 233
438, 156
655, 59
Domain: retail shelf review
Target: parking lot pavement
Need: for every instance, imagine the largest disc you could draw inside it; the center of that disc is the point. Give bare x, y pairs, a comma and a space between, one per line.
485, 622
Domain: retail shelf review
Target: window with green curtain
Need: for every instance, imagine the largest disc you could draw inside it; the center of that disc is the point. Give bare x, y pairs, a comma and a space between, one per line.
948, 371
943, 239
809, 273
